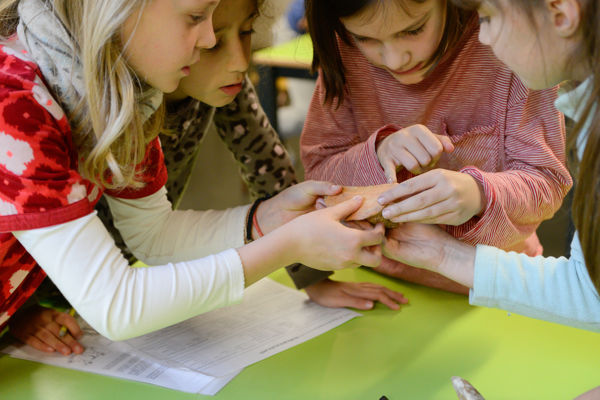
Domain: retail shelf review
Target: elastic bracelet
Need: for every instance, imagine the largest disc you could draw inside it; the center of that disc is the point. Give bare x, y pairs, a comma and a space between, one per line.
251, 218
255, 223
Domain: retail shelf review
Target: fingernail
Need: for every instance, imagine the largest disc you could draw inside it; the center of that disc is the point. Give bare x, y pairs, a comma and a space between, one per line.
356, 198
335, 187
369, 304
381, 200
386, 213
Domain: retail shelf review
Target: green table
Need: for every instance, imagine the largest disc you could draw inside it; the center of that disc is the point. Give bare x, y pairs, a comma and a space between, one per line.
410, 354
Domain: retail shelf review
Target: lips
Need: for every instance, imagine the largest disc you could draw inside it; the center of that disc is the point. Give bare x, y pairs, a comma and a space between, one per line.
232, 90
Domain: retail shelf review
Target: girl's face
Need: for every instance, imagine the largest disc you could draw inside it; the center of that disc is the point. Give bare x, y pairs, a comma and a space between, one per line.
163, 39
531, 49
401, 43
217, 78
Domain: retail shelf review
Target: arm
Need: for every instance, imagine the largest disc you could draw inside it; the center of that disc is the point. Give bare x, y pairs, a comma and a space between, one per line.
553, 289
120, 301
331, 148
265, 165
156, 234
534, 181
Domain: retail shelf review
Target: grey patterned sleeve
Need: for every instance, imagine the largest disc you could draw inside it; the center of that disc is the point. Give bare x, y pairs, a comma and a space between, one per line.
265, 165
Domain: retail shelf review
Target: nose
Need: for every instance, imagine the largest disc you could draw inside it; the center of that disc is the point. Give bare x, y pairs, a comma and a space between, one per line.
395, 58
206, 36
239, 56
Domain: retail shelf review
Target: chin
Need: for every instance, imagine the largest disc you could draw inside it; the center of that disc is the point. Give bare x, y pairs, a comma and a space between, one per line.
409, 80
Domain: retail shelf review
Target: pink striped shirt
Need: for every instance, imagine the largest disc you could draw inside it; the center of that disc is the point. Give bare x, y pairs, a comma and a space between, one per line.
510, 139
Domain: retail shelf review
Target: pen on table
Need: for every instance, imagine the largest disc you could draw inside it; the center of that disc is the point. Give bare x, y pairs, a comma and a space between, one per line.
63, 329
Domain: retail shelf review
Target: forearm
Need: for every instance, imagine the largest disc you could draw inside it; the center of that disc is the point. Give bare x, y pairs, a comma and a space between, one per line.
120, 301
548, 288
420, 276
516, 202
156, 234
458, 263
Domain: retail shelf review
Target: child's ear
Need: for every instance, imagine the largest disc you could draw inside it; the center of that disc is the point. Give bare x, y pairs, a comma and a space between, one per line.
565, 16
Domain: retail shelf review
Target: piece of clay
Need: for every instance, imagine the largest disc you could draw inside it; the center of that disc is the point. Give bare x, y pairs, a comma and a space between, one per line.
370, 210
465, 390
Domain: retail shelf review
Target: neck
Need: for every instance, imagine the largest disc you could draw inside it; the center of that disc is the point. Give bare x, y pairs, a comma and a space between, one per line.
175, 97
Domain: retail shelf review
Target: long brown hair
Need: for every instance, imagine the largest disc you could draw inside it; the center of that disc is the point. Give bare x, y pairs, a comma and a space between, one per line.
325, 26
586, 202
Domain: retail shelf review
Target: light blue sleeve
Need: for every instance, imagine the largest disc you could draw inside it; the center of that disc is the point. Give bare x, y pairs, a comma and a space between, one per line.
553, 289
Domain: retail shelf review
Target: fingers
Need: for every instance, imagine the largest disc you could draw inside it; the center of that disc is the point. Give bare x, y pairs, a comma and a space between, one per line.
374, 292
38, 344
50, 337
370, 257
319, 188
344, 209
71, 323
408, 188
72, 343
414, 159
446, 143
425, 205
389, 169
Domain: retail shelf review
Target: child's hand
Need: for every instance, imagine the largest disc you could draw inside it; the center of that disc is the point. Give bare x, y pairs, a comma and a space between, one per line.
360, 295
321, 241
439, 196
419, 245
291, 203
39, 328
430, 247
415, 148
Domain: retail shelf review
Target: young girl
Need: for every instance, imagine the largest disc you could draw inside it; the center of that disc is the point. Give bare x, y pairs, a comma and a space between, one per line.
561, 42
407, 94
217, 91
80, 85
545, 43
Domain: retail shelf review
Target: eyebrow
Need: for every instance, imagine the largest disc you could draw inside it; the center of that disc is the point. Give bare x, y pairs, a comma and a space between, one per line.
252, 16
414, 26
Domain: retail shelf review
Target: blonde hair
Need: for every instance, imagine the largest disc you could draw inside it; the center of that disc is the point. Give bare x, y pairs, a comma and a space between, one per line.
107, 124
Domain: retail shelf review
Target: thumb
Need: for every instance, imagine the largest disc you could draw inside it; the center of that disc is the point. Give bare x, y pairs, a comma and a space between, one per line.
345, 208
320, 188
446, 143
389, 169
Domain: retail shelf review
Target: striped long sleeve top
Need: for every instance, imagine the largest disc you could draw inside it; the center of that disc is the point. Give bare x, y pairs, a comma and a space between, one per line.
509, 138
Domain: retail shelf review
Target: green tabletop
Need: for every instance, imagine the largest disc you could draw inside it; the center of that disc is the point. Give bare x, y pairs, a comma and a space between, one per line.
297, 53
407, 354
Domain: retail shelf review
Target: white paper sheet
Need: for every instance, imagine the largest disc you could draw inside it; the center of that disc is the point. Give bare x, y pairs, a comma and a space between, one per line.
115, 359
202, 354
271, 318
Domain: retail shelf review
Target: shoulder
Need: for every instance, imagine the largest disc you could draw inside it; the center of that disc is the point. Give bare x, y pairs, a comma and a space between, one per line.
21, 83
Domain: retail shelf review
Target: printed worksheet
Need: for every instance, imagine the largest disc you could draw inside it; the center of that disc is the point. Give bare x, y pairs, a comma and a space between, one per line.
271, 318
202, 354
115, 359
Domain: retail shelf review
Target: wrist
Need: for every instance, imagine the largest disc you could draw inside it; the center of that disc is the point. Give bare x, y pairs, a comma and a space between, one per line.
458, 262
253, 228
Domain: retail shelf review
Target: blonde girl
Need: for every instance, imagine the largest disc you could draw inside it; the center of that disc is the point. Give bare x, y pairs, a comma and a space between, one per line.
81, 83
